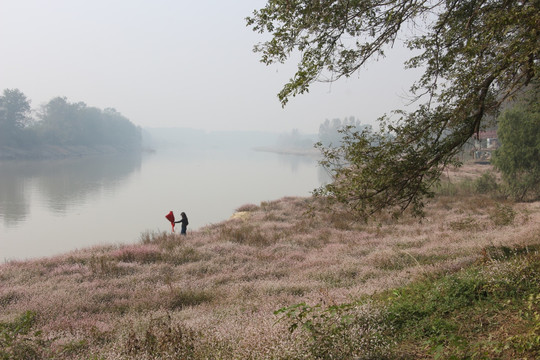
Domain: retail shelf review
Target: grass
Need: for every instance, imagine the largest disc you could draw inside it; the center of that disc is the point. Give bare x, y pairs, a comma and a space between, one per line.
460, 284
489, 311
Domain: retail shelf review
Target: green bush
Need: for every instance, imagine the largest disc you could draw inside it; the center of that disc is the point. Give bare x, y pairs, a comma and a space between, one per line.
518, 158
486, 184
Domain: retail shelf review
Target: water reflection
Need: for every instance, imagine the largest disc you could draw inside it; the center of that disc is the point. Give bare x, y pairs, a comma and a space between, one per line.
296, 161
61, 183
52, 207
14, 200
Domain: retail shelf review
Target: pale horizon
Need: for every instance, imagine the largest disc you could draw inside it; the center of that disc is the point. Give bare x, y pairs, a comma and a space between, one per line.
177, 64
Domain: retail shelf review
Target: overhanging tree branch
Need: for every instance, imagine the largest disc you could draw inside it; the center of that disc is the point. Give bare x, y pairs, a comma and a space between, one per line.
475, 54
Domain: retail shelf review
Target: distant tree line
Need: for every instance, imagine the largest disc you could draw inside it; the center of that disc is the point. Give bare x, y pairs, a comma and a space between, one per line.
331, 133
295, 139
61, 122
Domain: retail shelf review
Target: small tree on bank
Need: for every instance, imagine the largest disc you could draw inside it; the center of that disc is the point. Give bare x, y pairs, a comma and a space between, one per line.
518, 158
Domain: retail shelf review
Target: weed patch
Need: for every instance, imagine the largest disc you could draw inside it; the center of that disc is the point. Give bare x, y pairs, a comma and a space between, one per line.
161, 339
349, 331
18, 341
245, 234
8, 298
502, 215
162, 238
393, 261
341, 278
342, 220
141, 254
466, 224
247, 208
75, 348
183, 255
188, 297
103, 266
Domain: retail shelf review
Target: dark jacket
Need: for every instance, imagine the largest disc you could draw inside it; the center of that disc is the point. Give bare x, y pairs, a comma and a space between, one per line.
184, 223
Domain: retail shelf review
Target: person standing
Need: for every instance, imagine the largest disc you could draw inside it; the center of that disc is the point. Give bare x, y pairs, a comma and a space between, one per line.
184, 223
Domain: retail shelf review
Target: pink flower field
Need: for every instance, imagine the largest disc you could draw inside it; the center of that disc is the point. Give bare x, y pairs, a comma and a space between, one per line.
213, 293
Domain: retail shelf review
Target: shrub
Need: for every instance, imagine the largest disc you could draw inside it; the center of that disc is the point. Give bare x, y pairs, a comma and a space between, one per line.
517, 158
448, 188
486, 184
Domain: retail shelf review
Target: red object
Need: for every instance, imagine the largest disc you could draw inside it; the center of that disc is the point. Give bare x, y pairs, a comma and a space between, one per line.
170, 217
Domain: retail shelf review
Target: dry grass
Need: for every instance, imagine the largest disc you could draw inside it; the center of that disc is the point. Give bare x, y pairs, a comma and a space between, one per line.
212, 294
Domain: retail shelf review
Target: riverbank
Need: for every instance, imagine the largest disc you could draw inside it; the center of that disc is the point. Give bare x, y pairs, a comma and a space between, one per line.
49, 152
312, 152
213, 293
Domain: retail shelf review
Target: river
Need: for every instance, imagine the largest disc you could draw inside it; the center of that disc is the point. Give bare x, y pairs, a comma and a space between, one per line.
55, 206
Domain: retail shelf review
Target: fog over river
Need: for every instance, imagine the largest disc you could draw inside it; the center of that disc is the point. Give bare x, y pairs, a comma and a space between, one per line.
54, 206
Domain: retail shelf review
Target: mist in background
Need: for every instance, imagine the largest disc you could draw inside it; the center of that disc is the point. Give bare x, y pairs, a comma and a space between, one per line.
180, 64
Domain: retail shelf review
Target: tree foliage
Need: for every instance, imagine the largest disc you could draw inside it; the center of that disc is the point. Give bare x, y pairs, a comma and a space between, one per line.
61, 122
518, 158
475, 54
14, 114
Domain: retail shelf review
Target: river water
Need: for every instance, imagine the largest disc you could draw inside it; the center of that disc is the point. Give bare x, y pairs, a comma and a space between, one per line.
54, 206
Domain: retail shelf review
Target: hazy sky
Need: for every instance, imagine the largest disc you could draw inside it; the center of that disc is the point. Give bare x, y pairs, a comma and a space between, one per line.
175, 63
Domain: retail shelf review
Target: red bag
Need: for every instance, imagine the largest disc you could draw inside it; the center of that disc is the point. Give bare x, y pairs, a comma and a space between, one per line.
170, 217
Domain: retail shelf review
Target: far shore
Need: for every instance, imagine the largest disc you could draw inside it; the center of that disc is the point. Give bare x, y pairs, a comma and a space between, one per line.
48, 152
289, 151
